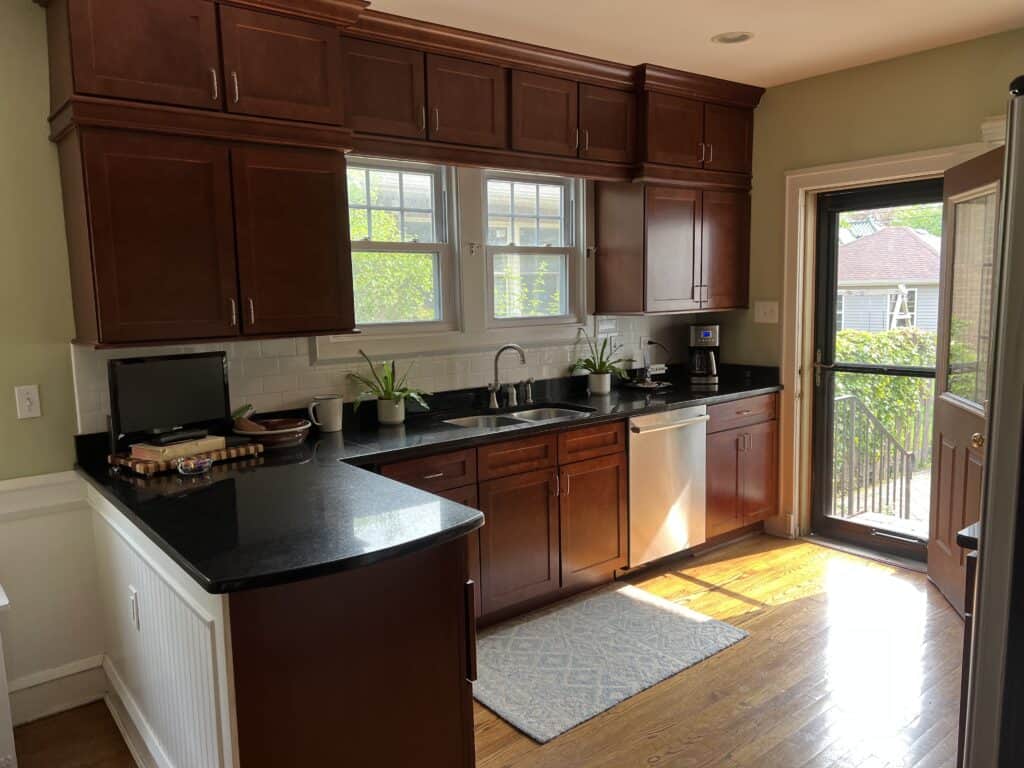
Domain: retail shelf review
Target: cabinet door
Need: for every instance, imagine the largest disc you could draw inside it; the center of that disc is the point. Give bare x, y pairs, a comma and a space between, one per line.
673, 222
280, 67
466, 102
725, 249
759, 473
294, 256
723, 482
593, 520
467, 495
149, 50
162, 239
519, 542
607, 124
544, 114
675, 130
385, 89
729, 136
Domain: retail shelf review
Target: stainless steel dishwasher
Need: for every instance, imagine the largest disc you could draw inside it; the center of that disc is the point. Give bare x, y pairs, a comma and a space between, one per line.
667, 483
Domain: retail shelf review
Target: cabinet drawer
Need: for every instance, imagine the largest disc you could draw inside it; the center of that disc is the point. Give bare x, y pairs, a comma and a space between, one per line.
435, 473
591, 442
516, 456
739, 413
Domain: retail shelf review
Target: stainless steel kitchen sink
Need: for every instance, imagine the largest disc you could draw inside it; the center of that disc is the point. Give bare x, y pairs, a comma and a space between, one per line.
548, 414
485, 422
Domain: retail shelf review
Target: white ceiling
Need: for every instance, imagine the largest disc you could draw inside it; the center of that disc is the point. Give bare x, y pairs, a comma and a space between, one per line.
793, 39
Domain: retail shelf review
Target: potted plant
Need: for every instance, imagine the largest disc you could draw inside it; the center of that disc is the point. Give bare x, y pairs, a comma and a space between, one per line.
600, 365
390, 391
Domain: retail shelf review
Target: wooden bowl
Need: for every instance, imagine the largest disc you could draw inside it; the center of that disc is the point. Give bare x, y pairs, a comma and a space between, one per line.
278, 433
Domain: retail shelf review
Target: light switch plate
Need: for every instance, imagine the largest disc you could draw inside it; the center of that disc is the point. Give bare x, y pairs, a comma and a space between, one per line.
766, 312
27, 398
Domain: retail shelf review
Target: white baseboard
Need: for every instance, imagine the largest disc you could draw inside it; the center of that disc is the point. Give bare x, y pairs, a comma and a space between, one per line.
144, 737
129, 732
58, 694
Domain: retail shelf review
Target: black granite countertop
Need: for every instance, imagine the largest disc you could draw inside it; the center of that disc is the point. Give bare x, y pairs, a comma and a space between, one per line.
303, 512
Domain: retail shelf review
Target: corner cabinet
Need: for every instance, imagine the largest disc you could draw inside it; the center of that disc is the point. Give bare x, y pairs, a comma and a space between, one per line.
686, 132
164, 230
667, 249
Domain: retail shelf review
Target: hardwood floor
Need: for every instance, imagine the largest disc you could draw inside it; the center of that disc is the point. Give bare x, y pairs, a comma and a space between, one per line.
85, 737
850, 663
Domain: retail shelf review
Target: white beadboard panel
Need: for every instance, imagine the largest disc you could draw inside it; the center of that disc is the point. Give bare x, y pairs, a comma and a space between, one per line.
170, 672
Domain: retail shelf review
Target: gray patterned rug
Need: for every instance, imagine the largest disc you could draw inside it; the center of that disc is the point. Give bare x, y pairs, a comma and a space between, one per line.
551, 670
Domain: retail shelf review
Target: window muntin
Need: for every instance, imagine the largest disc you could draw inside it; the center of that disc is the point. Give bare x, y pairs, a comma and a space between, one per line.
402, 266
530, 251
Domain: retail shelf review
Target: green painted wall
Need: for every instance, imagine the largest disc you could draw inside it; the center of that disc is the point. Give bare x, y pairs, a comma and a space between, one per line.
932, 99
35, 295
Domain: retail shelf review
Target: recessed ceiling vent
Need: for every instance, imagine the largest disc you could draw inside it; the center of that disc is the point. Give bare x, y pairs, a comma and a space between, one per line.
729, 38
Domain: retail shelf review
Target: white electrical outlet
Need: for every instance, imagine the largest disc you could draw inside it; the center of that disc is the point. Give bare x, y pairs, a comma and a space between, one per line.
766, 312
27, 398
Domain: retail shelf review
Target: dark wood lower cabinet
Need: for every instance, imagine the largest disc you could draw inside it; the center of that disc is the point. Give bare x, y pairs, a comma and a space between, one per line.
759, 472
467, 495
593, 520
723, 483
380, 673
519, 547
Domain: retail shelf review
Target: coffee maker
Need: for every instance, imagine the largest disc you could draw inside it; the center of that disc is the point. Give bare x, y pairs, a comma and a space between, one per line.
704, 356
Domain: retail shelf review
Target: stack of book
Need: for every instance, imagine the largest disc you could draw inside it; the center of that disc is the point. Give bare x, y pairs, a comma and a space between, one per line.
151, 452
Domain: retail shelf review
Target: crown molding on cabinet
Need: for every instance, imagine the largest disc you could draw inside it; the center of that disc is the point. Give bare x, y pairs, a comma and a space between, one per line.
340, 12
651, 77
672, 175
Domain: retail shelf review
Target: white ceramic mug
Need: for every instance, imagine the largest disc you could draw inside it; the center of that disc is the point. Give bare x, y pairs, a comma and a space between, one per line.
329, 408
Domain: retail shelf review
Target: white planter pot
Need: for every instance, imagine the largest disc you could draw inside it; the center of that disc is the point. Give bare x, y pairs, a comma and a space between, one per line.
599, 383
391, 411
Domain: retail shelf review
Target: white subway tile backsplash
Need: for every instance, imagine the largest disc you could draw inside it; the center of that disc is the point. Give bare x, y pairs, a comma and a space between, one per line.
260, 366
277, 348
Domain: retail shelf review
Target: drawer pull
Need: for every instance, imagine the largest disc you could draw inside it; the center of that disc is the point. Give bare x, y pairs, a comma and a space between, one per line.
744, 412
435, 476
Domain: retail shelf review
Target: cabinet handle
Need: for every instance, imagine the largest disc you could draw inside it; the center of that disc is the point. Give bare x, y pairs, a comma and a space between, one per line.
216, 85
234, 313
741, 443
435, 476
423, 119
711, 153
745, 412
234, 83
568, 483
252, 312
558, 485
746, 439
437, 119
471, 630
703, 151
577, 139
586, 139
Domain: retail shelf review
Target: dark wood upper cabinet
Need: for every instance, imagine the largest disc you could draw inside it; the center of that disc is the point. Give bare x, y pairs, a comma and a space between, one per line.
385, 89
149, 50
607, 124
675, 130
280, 67
545, 114
673, 247
728, 138
163, 248
294, 255
467, 102
593, 519
519, 542
725, 249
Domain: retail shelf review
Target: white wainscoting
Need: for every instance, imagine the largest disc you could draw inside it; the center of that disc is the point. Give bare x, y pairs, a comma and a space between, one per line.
53, 638
169, 667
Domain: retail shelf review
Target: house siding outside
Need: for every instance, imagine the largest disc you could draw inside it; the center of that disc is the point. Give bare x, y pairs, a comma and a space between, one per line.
867, 308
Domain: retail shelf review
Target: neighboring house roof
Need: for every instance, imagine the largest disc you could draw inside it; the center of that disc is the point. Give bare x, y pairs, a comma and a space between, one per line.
891, 255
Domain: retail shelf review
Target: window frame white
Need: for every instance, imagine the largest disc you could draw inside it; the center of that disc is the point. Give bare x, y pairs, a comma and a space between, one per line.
447, 274
840, 311
572, 218
891, 308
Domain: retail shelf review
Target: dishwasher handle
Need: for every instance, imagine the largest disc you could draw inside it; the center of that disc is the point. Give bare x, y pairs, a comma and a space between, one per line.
674, 425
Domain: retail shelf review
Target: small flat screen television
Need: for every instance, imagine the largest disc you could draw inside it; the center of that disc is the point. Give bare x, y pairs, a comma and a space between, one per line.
157, 395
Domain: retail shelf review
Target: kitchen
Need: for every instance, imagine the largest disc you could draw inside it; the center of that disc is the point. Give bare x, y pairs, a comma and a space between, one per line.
276, 212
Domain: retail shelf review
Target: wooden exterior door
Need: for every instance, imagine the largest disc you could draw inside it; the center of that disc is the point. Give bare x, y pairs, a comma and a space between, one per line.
545, 114
467, 102
759, 472
280, 67
149, 50
971, 196
723, 482
725, 249
385, 89
294, 255
675, 130
593, 519
673, 228
607, 124
519, 542
162, 239
729, 138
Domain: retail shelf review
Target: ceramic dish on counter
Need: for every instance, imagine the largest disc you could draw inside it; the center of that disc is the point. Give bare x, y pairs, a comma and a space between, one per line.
276, 433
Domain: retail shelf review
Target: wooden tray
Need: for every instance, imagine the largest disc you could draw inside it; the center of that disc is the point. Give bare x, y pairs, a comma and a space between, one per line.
149, 467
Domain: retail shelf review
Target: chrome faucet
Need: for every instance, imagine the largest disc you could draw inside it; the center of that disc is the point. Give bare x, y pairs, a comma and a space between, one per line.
495, 387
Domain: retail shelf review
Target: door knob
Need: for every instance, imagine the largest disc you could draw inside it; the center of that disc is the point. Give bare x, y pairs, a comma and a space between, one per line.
977, 440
